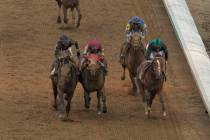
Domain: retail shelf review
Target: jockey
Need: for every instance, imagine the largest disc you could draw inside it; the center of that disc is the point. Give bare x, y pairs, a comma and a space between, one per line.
94, 47
63, 51
156, 45
135, 24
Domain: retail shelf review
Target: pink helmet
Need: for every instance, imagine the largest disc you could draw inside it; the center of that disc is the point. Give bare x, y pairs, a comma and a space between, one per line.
94, 44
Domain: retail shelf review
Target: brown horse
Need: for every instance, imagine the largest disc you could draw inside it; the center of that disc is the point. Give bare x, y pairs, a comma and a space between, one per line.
134, 56
151, 77
92, 78
64, 85
66, 4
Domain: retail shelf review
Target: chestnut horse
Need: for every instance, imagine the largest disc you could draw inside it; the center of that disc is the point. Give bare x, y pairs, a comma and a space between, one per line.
151, 77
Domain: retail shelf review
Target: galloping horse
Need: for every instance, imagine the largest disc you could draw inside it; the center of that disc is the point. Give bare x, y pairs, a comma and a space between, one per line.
64, 84
151, 82
66, 4
92, 78
134, 56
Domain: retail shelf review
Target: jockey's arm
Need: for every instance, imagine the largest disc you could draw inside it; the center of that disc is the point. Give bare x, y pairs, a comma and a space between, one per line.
148, 51
144, 31
57, 50
85, 49
74, 44
164, 48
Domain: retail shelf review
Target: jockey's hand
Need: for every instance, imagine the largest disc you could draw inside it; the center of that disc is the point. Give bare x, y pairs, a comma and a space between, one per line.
78, 54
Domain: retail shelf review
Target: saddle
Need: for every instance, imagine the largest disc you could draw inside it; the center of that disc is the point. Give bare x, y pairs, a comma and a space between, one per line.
98, 58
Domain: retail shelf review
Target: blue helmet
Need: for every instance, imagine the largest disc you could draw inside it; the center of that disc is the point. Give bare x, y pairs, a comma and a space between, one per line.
137, 20
65, 40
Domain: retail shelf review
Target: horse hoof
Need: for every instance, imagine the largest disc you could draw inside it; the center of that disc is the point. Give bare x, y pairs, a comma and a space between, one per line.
123, 78
99, 112
104, 110
164, 114
59, 20
133, 92
61, 117
77, 25
55, 107
65, 21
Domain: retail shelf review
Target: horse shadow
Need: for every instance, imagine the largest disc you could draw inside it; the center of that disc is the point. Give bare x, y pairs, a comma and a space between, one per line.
67, 28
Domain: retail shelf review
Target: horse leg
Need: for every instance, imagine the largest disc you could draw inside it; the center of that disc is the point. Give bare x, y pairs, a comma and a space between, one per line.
147, 109
141, 89
99, 102
72, 14
134, 87
79, 17
149, 105
161, 98
68, 106
104, 102
87, 99
65, 15
123, 74
61, 104
55, 93
59, 11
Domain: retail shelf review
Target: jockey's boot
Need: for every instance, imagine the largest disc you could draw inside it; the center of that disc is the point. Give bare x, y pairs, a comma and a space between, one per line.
54, 68
123, 53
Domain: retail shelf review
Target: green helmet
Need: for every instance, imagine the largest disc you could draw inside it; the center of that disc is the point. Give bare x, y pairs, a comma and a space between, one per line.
156, 42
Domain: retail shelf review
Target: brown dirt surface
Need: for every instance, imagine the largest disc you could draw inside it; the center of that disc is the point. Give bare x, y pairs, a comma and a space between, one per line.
28, 33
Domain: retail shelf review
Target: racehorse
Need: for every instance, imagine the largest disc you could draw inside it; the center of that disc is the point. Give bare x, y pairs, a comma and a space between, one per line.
65, 5
151, 82
92, 78
134, 56
64, 84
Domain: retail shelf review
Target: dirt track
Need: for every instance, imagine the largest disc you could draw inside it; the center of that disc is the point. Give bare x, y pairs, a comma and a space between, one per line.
28, 33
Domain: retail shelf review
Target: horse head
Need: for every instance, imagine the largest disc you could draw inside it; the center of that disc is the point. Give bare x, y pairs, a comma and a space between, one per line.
158, 67
93, 64
136, 41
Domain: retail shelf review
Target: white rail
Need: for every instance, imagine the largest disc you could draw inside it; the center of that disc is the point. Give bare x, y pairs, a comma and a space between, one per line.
192, 44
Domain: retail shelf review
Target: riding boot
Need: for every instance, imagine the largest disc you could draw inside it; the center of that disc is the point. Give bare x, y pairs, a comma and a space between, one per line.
54, 68
105, 66
123, 53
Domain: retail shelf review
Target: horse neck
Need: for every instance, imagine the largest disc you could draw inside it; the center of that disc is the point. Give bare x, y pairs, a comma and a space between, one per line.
150, 80
65, 70
136, 55
100, 73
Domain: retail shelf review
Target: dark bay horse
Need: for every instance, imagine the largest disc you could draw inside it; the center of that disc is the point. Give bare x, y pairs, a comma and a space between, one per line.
92, 78
151, 82
134, 56
64, 84
65, 5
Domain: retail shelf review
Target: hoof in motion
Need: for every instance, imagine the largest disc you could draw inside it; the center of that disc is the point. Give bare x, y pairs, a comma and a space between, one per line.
59, 20
123, 78
99, 112
104, 110
55, 106
164, 114
65, 21
78, 22
62, 117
